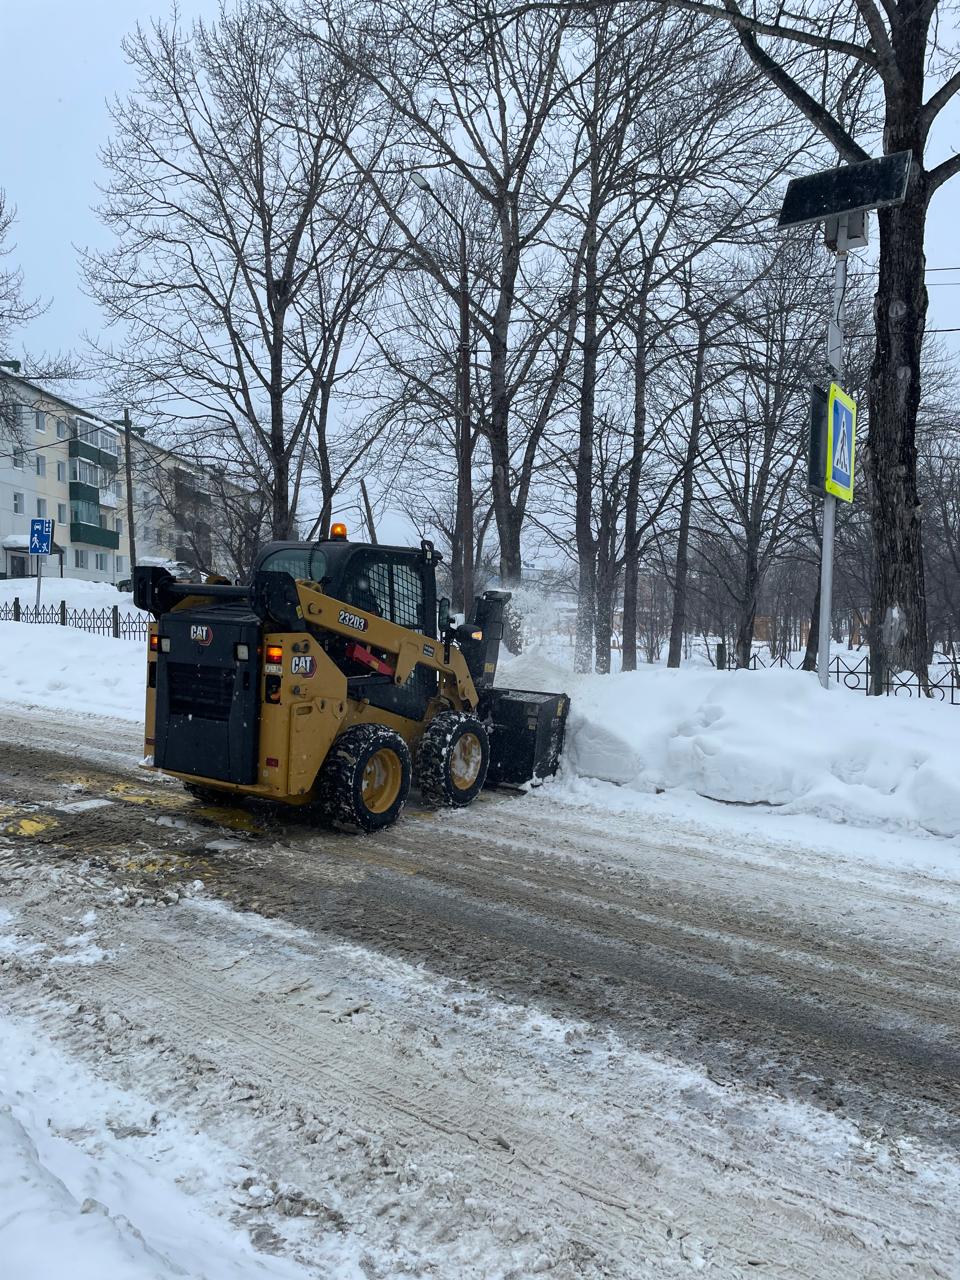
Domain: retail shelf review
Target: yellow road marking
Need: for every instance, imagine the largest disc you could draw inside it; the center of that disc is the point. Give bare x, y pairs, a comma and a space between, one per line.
129, 794
30, 826
235, 819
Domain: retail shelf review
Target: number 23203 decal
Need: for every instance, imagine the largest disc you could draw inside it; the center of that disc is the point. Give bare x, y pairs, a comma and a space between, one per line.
349, 619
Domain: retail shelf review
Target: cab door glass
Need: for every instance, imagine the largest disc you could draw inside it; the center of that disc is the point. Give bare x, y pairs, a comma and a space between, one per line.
388, 589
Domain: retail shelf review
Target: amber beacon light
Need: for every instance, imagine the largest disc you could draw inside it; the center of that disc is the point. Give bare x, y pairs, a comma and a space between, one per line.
338, 530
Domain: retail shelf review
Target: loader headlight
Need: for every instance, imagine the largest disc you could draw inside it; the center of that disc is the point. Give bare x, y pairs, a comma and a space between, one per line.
164, 644
243, 652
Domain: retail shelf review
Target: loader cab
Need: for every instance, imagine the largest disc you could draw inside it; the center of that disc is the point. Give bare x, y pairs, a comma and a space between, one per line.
396, 583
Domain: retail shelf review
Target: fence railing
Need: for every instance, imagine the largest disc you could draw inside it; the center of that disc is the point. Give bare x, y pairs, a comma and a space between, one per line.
854, 673
109, 621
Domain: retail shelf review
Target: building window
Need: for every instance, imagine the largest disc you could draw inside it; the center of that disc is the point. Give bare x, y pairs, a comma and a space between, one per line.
62, 429
41, 420
41, 464
18, 505
85, 472
103, 520
118, 561
118, 526
62, 512
19, 459
101, 562
82, 512
41, 508
79, 558
62, 472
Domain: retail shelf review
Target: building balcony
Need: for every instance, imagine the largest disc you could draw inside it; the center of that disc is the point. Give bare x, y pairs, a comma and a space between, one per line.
109, 499
81, 449
94, 536
80, 492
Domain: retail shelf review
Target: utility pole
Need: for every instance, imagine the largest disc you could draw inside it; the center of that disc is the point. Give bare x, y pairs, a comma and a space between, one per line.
128, 468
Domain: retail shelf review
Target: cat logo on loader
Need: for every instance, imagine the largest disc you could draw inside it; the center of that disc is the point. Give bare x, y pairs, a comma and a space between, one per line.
336, 680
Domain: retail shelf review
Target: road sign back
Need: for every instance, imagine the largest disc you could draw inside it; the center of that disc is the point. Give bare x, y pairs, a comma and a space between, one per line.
841, 443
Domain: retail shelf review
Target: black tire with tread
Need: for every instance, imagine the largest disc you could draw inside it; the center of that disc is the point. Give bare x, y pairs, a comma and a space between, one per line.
435, 755
340, 796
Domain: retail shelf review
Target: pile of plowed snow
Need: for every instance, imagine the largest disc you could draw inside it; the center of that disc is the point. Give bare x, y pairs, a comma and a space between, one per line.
49, 666
77, 592
760, 737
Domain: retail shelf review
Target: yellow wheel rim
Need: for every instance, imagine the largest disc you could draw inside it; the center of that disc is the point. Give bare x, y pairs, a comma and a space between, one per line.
465, 761
382, 776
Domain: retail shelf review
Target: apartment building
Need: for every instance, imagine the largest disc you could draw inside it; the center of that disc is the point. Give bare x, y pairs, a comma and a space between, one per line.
173, 511
66, 464
59, 462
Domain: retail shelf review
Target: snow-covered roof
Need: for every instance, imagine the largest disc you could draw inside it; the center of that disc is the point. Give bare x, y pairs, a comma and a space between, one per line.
21, 542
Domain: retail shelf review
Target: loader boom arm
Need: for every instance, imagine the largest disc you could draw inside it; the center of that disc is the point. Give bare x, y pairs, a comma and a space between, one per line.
408, 648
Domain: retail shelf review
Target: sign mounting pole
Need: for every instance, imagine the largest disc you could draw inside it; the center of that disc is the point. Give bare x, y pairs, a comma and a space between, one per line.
840, 199
835, 357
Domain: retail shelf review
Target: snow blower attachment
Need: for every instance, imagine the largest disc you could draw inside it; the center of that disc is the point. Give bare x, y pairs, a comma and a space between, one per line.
335, 679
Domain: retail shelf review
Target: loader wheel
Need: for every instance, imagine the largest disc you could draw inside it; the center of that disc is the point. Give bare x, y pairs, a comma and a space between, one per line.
452, 759
365, 779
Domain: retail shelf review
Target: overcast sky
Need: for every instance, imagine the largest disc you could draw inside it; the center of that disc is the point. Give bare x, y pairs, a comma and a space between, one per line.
63, 61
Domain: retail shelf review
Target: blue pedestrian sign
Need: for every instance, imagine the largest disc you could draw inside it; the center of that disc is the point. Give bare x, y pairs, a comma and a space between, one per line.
41, 537
841, 443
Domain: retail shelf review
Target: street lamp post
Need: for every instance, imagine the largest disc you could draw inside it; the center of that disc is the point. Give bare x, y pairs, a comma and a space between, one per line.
465, 443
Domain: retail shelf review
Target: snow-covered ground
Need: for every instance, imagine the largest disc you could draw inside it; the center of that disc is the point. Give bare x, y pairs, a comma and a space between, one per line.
190, 1089
368, 1118
50, 666
95, 1186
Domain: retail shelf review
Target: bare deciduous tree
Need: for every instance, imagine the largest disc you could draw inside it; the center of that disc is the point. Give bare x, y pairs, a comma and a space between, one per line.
238, 269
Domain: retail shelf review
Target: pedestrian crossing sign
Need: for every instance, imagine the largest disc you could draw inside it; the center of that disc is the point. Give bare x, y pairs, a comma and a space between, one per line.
841, 443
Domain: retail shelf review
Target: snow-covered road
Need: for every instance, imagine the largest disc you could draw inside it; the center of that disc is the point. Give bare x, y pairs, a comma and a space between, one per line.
527, 1038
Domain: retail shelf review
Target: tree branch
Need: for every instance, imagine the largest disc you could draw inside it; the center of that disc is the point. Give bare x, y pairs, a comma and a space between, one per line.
938, 100
818, 115
942, 173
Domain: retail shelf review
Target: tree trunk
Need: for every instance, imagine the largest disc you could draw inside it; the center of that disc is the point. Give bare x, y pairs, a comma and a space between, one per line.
747, 613
813, 636
681, 564
586, 543
631, 557
899, 630
606, 581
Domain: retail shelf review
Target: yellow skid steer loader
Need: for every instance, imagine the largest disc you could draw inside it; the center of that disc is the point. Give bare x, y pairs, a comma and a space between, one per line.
335, 679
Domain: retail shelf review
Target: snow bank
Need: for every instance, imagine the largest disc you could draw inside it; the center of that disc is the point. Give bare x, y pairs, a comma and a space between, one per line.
78, 593
49, 666
761, 737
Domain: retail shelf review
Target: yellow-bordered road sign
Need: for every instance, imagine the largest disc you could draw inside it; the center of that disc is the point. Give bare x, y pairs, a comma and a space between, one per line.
841, 443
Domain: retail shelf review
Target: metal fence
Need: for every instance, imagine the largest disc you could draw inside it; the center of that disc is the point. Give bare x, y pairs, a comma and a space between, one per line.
96, 622
853, 672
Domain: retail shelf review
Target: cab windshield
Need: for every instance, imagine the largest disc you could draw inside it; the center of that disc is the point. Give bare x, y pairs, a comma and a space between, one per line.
307, 563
